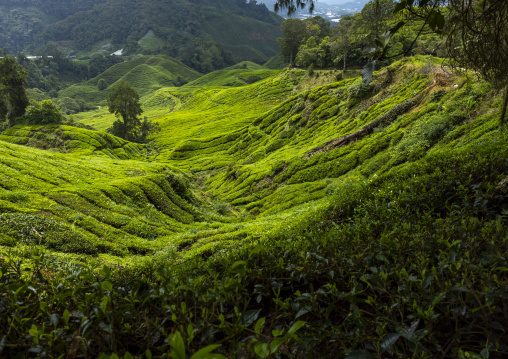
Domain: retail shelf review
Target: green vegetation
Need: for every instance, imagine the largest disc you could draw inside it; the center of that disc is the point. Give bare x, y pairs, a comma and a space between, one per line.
206, 35
281, 217
146, 74
13, 96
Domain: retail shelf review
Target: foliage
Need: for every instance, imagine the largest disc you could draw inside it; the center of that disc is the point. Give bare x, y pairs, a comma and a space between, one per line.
123, 101
43, 113
362, 221
13, 96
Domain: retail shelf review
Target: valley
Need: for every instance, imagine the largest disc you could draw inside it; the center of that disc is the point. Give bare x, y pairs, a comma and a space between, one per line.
261, 204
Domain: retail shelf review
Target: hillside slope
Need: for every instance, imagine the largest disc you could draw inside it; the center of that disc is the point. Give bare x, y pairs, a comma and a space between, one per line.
145, 74
286, 216
165, 26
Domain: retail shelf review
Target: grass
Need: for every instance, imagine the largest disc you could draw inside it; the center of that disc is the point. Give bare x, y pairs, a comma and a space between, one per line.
292, 199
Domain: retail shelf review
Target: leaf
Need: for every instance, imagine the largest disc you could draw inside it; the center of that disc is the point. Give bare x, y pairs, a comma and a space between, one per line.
277, 333
360, 354
106, 327
105, 271
275, 344
485, 353
367, 72
301, 312
239, 267
400, 6
66, 317
128, 355
205, 353
409, 332
148, 354
295, 327
33, 331
107, 286
259, 325
104, 304
388, 342
177, 346
497, 326
261, 350
250, 317
397, 27
436, 21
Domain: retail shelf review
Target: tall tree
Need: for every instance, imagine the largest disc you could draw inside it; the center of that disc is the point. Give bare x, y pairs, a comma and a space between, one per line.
478, 39
294, 35
123, 101
343, 37
13, 95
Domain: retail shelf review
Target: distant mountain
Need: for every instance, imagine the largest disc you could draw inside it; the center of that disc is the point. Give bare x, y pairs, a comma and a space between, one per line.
238, 29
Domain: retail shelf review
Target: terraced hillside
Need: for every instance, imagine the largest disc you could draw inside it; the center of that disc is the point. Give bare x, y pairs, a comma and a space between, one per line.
317, 205
146, 74
256, 156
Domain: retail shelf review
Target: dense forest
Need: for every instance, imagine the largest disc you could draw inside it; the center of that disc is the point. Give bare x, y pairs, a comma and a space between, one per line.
234, 29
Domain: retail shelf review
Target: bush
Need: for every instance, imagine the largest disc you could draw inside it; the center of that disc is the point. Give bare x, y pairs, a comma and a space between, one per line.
44, 113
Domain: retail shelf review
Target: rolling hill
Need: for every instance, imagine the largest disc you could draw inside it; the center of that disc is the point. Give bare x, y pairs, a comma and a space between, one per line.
293, 216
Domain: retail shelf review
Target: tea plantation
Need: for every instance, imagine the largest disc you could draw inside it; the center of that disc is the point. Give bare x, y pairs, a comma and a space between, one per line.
281, 215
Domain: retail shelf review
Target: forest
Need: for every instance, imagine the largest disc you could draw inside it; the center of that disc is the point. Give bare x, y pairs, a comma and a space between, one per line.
346, 198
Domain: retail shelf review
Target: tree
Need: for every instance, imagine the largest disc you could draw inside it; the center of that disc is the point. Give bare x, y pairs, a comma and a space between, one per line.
478, 39
374, 18
123, 101
13, 95
294, 35
343, 36
44, 113
477, 34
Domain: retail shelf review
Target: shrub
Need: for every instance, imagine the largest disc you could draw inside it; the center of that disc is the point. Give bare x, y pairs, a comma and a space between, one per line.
44, 113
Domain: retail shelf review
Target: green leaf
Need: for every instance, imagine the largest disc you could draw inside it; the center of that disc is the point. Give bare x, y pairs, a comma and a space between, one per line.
114, 356
177, 346
277, 333
250, 316
105, 271
107, 286
205, 353
66, 317
148, 354
275, 344
295, 327
485, 353
239, 267
104, 304
128, 355
261, 350
360, 354
33, 331
259, 325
